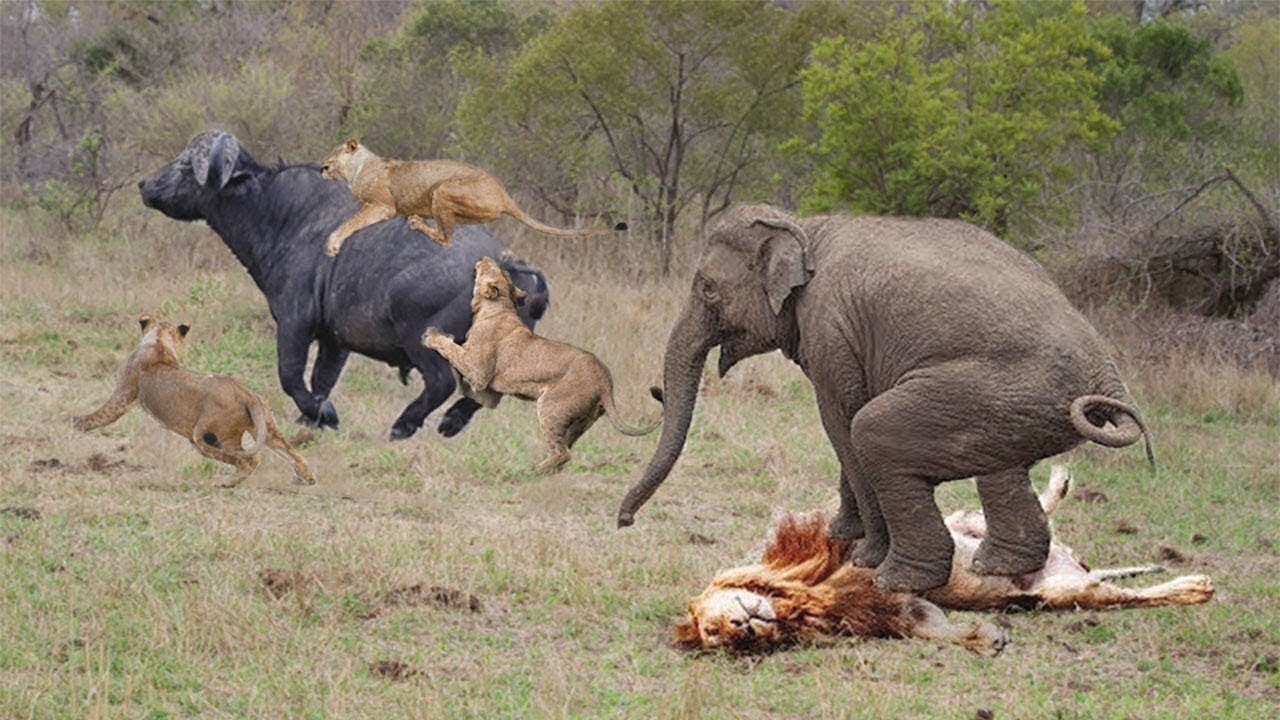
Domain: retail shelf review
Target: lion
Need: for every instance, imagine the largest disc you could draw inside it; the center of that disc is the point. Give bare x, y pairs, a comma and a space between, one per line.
501, 356
212, 411
804, 589
451, 192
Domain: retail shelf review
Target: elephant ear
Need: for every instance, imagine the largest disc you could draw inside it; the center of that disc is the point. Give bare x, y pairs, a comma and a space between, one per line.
786, 265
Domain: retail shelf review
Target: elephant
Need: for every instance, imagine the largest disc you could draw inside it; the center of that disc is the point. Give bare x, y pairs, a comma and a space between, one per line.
936, 351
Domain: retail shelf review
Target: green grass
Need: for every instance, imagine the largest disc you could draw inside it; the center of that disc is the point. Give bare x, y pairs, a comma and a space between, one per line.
139, 591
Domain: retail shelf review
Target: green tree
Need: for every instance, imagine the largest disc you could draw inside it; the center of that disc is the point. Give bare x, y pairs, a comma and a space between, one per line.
954, 110
677, 102
1174, 98
1255, 50
413, 79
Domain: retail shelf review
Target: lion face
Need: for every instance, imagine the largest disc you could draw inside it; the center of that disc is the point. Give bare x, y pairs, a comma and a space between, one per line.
169, 338
493, 283
345, 162
733, 618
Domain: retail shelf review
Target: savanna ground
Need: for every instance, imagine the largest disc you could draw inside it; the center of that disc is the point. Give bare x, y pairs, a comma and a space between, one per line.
440, 578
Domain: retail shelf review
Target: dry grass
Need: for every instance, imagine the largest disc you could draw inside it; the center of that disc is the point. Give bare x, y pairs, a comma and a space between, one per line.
141, 590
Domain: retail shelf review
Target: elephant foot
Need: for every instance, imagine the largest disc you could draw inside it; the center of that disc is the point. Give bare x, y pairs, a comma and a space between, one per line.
869, 552
898, 574
994, 557
845, 526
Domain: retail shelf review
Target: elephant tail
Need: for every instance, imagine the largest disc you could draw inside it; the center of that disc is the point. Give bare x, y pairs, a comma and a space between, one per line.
1127, 425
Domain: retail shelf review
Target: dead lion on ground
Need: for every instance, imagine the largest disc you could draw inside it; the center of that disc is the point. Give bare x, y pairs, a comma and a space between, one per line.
451, 192
803, 589
212, 411
502, 356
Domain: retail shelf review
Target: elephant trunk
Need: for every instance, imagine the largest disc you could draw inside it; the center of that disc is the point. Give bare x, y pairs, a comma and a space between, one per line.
686, 353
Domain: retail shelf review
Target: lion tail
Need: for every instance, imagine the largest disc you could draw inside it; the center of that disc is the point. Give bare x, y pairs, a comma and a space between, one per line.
611, 409
523, 217
258, 413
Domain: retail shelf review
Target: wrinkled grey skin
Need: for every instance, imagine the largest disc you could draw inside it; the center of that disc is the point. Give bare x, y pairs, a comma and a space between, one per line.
936, 352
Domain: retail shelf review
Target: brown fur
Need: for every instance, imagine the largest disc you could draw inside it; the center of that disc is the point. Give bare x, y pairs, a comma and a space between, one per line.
804, 589
212, 411
503, 357
451, 192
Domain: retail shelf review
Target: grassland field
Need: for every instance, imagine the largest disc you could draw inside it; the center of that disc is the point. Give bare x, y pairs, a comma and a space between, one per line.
438, 577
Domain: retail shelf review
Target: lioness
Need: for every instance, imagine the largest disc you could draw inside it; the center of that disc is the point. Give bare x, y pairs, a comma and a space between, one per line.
212, 411
503, 357
451, 192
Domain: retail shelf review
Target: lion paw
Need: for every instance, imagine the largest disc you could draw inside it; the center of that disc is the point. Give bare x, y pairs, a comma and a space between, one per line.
436, 338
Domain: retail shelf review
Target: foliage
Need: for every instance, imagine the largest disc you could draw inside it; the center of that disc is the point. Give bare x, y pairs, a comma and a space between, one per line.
416, 75
1053, 123
673, 100
955, 110
1174, 98
1253, 145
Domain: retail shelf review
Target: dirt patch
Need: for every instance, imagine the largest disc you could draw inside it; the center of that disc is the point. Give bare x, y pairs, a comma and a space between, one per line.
48, 465
102, 463
302, 438
1124, 527
8, 441
1084, 494
417, 595
392, 670
278, 583
1267, 664
700, 539
25, 513
1168, 553
98, 462
1084, 623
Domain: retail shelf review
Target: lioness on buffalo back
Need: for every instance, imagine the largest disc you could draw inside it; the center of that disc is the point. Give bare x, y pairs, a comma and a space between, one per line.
447, 191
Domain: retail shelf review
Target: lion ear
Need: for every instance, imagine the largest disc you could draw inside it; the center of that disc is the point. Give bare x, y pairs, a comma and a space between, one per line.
145, 320
184, 329
352, 144
490, 291
685, 634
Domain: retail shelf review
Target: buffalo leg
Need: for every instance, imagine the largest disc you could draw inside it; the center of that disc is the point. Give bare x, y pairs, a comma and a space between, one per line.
438, 385
457, 416
292, 344
330, 359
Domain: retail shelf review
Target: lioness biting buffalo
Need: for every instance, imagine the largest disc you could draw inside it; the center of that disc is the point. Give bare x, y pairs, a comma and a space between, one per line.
503, 357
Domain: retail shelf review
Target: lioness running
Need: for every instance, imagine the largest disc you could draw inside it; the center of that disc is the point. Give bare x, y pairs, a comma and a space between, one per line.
451, 192
503, 357
212, 411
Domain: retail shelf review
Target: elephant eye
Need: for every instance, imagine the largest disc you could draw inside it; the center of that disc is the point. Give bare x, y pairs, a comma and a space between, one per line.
706, 289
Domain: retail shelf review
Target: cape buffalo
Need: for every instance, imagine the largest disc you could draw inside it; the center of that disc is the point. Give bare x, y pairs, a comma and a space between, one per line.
376, 298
